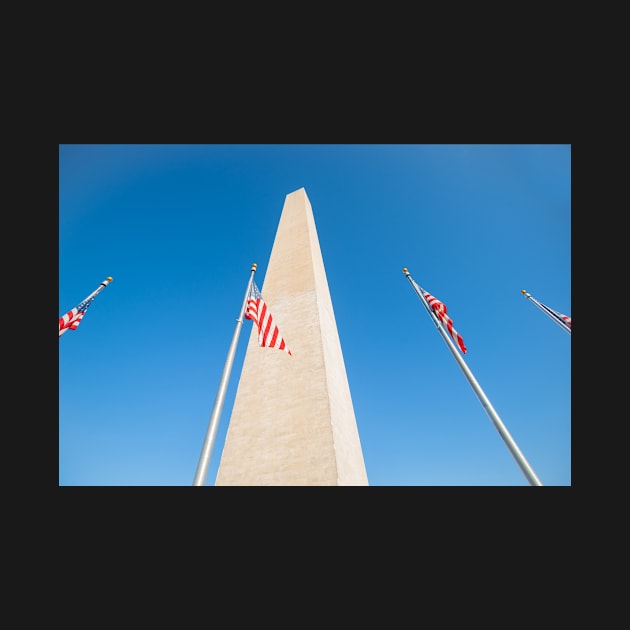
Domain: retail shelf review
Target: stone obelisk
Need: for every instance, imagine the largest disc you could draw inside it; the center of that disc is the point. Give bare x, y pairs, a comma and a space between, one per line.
293, 422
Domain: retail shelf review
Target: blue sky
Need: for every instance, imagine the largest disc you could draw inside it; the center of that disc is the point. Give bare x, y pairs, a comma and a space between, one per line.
178, 227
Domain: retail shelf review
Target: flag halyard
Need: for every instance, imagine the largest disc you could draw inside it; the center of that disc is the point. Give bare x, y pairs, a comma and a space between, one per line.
268, 333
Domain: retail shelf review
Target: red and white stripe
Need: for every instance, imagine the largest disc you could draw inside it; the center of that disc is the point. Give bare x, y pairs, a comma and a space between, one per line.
71, 320
440, 310
268, 334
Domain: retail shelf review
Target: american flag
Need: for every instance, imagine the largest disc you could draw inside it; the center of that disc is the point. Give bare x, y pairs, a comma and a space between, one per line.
72, 319
440, 310
555, 315
268, 334
564, 321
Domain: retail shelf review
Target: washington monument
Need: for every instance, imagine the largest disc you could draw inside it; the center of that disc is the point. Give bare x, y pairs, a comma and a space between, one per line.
293, 421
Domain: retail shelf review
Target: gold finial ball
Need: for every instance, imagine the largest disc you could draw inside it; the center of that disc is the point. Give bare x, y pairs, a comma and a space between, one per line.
404, 269
109, 279
523, 292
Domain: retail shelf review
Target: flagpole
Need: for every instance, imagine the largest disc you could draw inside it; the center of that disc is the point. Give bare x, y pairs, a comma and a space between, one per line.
92, 295
206, 451
527, 470
546, 310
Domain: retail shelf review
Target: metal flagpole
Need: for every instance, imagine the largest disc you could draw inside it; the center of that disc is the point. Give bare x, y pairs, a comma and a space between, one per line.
485, 403
206, 451
91, 296
548, 311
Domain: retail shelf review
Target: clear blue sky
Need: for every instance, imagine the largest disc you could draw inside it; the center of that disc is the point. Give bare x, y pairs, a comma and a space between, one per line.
178, 227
